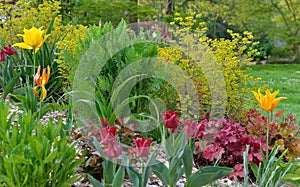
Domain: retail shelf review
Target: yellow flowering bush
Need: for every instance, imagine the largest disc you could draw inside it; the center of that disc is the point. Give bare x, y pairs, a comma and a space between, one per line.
26, 14
233, 56
67, 49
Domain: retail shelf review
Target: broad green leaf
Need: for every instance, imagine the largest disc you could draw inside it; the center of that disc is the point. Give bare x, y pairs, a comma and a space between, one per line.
119, 177
187, 159
94, 181
9, 87
161, 171
134, 176
207, 175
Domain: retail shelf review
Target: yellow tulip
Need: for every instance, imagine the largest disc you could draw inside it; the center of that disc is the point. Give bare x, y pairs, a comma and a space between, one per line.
32, 39
269, 101
41, 81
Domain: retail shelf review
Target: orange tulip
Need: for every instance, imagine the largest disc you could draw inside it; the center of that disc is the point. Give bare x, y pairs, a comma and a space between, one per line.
41, 81
269, 101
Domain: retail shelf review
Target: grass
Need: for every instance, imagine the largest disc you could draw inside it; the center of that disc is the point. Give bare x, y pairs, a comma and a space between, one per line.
286, 78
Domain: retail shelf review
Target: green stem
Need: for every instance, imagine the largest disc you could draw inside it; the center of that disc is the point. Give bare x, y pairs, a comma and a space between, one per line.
34, 64
39, 116
267, 141
269, 119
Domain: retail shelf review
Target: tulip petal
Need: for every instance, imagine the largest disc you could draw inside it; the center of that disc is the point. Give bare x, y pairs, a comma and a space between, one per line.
22, 45
44, 92
276, 101
269, 101
35, 92
37, 76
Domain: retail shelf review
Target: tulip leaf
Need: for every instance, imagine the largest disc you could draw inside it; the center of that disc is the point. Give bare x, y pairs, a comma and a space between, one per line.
9, 87
161, 171
119, 177
207, 175
187, 159
168, 147
134, 176
51, 24
147, 168
94, 181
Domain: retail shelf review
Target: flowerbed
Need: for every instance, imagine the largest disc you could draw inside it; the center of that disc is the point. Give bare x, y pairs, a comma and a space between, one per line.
130, 87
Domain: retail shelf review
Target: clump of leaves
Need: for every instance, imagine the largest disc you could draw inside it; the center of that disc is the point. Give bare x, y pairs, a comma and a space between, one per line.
226, 141
33, 154
283, 133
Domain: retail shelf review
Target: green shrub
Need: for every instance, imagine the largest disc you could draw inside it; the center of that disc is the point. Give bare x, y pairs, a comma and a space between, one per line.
91, 12
33, 154
233, 58
281, 52
264, 51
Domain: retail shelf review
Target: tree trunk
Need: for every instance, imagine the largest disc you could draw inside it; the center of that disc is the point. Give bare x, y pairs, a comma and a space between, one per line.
134, 18
170, 7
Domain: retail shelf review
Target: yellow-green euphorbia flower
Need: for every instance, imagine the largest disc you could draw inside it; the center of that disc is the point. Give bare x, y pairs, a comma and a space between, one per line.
269, 101
32, 39
41, 81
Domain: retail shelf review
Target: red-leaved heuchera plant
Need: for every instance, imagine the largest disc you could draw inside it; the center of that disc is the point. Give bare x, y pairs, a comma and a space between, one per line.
228, 139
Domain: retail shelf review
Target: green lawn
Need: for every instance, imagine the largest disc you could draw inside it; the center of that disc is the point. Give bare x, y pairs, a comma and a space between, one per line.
286, 78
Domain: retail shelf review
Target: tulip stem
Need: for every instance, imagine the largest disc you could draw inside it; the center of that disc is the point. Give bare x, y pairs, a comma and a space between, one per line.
267, 142
34, 63
269, 119
39, 116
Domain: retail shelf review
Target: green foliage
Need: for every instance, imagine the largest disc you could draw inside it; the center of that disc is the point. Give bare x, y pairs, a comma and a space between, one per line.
264, 50
269, 173
232, 56
293, 176
281, 52
33, 154
180, 154
207, 175
270, 18
91, 12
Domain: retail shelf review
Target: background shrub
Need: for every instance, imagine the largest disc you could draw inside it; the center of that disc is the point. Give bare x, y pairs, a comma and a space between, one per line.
281, 52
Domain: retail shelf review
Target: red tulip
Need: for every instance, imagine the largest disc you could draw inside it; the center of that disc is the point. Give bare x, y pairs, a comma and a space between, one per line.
8, 50
171, 120
193, 129
142, 146
107, 133
112, 149
104, 122
2, 56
